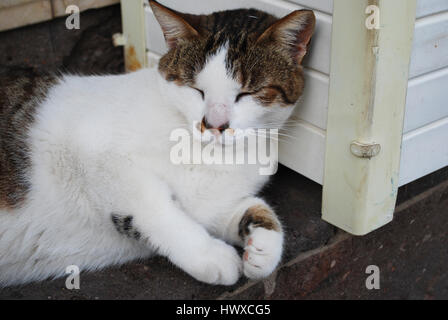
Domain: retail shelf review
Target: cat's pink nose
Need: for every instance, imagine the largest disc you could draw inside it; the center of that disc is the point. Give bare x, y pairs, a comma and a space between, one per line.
217, 116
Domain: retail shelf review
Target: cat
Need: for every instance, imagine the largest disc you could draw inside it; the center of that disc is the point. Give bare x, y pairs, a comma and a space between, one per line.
86, 178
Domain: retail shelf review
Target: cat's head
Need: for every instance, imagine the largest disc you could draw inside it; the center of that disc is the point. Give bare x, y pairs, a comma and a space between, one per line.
234, 69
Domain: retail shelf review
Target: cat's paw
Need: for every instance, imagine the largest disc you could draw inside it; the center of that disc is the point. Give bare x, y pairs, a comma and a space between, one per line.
220, 264
262, 253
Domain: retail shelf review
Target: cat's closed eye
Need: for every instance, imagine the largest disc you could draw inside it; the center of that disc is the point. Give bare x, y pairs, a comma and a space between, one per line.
242, 95
265, 94
201, 92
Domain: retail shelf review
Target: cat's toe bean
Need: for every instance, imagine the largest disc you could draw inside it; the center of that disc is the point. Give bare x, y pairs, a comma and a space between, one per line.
262, 253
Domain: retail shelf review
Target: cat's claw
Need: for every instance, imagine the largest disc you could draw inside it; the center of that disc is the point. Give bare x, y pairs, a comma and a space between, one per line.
262, 253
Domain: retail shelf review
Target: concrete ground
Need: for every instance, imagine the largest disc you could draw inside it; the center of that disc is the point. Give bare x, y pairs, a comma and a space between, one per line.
320, 262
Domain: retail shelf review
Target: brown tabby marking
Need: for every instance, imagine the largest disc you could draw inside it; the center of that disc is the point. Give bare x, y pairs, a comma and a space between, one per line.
259, 56
19, 98
259, 217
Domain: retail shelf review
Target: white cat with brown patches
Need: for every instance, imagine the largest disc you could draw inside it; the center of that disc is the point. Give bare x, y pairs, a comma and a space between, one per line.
86, 177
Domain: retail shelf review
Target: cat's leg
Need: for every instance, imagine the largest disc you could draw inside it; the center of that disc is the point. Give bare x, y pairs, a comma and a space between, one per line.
154, 217
254, 226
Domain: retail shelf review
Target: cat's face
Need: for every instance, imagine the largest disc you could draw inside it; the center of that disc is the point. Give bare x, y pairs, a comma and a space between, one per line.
235, 69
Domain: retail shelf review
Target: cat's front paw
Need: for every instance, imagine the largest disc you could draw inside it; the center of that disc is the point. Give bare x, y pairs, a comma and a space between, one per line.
262, 252
219, 264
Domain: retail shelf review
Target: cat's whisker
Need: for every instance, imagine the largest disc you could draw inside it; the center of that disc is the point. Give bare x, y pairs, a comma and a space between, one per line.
282, 135
278, 139
281, 129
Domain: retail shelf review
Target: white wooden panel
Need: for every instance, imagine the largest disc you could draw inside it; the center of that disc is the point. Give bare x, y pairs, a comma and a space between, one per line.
134, 32
321, 5
305, 152
426, 100
428, 7
319, 58
424, 7
424, 151
430, 48
59, 6
24, 14
313, 105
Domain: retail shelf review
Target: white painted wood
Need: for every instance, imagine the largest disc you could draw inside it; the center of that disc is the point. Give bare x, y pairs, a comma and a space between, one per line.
14, 16
319, 59
424, 150
321, 5
368, 83
59, 6
426, 100
313, 105
424, 7
134, 32
428, 7
305, 152
430, 48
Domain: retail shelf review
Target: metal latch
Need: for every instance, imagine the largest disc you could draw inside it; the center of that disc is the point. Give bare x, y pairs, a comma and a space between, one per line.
365, 150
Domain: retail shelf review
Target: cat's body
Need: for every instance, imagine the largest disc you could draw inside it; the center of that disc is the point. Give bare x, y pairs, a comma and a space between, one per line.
76, 184
96, 186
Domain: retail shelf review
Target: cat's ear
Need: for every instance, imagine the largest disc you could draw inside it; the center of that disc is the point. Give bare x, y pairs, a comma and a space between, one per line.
175, 28
292, 32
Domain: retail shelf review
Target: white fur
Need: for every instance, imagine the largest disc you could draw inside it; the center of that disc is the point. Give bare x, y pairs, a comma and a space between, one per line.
100, 145
263, 252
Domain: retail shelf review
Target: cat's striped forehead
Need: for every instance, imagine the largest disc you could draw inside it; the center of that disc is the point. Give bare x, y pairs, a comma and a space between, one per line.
236, 30
262, 68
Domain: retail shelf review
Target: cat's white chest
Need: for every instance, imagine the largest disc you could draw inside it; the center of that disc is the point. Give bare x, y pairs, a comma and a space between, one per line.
206, 193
